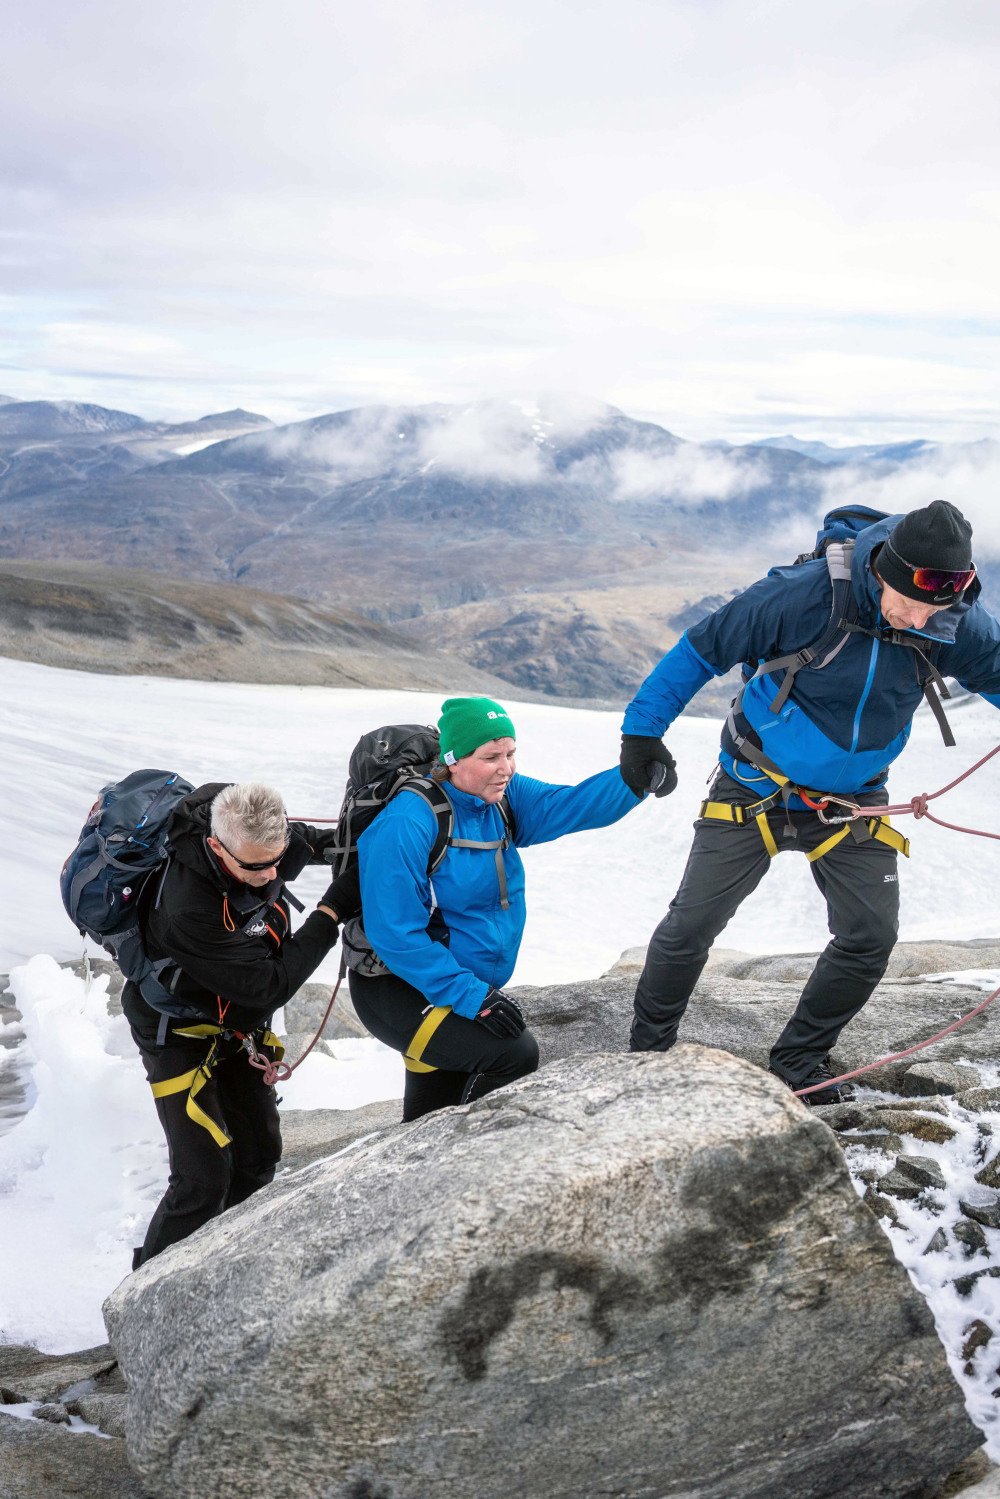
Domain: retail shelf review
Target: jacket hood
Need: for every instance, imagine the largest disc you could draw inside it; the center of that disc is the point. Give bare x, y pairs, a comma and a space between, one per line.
868, 590
189, 828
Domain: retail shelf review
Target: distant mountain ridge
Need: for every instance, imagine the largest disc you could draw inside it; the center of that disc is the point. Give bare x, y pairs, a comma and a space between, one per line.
91, 619
554, 544
40, 419
869, 452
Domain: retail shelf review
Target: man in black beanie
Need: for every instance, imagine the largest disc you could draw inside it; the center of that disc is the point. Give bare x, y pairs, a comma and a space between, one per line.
837, 652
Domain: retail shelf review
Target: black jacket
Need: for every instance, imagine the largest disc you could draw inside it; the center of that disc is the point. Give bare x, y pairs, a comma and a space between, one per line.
235, 957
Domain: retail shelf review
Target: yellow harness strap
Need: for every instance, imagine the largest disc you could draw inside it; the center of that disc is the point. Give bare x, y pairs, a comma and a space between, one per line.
879, 828
193, 1082
766, 834
827, 844
421, 1036
724, 812
882, 830
196, 1079
270, 1040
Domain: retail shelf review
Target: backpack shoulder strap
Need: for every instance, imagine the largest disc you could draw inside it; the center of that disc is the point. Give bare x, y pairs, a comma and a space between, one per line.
439, 802
843, 614
434, 794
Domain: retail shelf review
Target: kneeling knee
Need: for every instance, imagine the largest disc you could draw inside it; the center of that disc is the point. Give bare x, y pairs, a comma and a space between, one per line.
525, 1054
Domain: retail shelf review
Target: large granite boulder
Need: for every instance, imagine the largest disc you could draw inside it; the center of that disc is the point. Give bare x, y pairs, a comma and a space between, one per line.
629, 1275
310, 1134
742, 1002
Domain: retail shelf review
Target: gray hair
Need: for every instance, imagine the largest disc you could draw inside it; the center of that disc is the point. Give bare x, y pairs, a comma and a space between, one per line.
249, 813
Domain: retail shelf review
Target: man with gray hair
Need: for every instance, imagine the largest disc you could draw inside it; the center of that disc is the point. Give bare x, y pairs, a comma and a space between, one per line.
219, 918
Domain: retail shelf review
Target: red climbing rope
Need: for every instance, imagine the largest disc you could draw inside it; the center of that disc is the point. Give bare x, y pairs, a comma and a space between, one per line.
917, 807
280, 1072
897, 1056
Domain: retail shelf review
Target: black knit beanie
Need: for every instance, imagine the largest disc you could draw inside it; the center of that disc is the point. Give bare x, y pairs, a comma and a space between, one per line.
938, 536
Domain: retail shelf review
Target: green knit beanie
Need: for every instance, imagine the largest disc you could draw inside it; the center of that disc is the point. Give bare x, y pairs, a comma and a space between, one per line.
468, 722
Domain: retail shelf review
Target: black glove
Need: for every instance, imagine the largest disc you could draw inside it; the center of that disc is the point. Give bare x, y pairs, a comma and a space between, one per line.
647, 765
501, 1015
343, 895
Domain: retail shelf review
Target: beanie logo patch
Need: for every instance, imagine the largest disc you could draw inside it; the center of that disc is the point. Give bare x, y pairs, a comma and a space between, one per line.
448, 757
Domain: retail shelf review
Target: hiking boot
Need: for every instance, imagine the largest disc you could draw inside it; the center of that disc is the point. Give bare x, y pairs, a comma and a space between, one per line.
823, 1070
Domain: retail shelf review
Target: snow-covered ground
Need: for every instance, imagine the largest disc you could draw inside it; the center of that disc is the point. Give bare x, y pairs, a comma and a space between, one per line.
81, 1172
934, 1270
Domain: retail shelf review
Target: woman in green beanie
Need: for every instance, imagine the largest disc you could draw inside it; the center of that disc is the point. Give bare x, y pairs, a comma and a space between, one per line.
447, 942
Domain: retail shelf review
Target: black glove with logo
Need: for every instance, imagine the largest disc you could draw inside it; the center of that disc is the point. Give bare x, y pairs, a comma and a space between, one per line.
343, 894
647, 765
501, 1015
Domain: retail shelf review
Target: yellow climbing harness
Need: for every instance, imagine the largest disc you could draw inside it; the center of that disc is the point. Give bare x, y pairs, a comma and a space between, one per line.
879, 828
421, 1036
192, 1082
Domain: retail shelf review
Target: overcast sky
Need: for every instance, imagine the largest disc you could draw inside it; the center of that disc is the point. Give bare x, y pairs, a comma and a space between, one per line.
736, 217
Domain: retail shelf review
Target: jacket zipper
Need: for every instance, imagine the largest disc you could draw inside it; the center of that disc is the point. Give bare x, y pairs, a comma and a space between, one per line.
864, 696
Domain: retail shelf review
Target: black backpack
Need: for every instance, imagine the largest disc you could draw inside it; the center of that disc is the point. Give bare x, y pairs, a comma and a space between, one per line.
110, 872
385, 762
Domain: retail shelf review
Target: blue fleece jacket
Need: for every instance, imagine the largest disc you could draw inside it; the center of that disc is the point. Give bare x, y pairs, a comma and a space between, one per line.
484, 939
843, 725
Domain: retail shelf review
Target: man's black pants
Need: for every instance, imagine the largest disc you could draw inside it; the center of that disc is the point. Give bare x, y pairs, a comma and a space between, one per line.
468, 1061
207, 1175
859, 883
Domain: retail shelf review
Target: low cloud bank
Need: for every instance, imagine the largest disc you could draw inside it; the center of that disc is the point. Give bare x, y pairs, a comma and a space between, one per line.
521, 443
967, 475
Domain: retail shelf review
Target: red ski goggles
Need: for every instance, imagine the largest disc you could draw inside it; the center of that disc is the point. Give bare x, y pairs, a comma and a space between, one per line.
936, 579
933, 580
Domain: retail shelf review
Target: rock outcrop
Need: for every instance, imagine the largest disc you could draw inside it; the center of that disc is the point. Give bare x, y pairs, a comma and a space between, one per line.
42, 1458
43, 1461
630, 1275
742, 1003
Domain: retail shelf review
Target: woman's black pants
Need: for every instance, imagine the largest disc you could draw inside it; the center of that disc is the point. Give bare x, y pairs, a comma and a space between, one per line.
467, 1060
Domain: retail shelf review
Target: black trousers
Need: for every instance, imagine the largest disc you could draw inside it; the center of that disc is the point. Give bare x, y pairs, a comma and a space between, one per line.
469, 1061
858, 880
207, 1176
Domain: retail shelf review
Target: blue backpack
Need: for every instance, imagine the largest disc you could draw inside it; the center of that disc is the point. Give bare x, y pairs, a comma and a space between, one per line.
123, 843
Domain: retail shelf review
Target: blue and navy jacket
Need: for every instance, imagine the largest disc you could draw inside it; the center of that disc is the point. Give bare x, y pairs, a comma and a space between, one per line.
843, 724
483, 938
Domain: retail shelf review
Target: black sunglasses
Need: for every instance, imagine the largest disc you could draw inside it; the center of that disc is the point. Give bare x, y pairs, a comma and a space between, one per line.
253, 868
